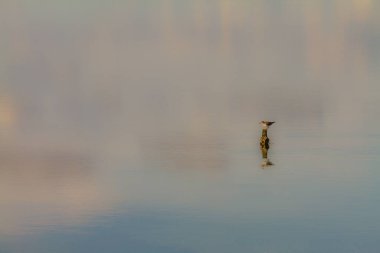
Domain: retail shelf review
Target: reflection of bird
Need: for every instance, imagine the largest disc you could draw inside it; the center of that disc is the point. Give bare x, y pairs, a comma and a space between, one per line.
266, 163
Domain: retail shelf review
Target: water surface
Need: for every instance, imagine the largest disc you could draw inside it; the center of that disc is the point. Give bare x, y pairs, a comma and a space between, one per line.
133, 126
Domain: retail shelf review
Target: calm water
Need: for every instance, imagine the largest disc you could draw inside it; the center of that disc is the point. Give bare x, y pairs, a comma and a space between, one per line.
132, 126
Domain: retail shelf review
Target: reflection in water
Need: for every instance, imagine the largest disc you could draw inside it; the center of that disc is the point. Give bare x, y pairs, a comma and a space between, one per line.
57, 186
264, 143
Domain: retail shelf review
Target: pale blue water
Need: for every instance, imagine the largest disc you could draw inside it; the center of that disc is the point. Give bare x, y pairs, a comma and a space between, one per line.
134, 126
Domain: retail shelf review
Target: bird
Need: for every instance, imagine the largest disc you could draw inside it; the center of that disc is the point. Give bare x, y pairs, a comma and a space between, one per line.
265, 124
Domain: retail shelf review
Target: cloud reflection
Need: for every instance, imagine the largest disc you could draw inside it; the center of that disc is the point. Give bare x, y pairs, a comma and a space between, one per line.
48, 187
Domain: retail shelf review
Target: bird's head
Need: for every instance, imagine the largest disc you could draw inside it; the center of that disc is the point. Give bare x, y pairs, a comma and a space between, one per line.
265, 124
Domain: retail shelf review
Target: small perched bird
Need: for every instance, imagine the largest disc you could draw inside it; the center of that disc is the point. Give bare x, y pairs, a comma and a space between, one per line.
265, 124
